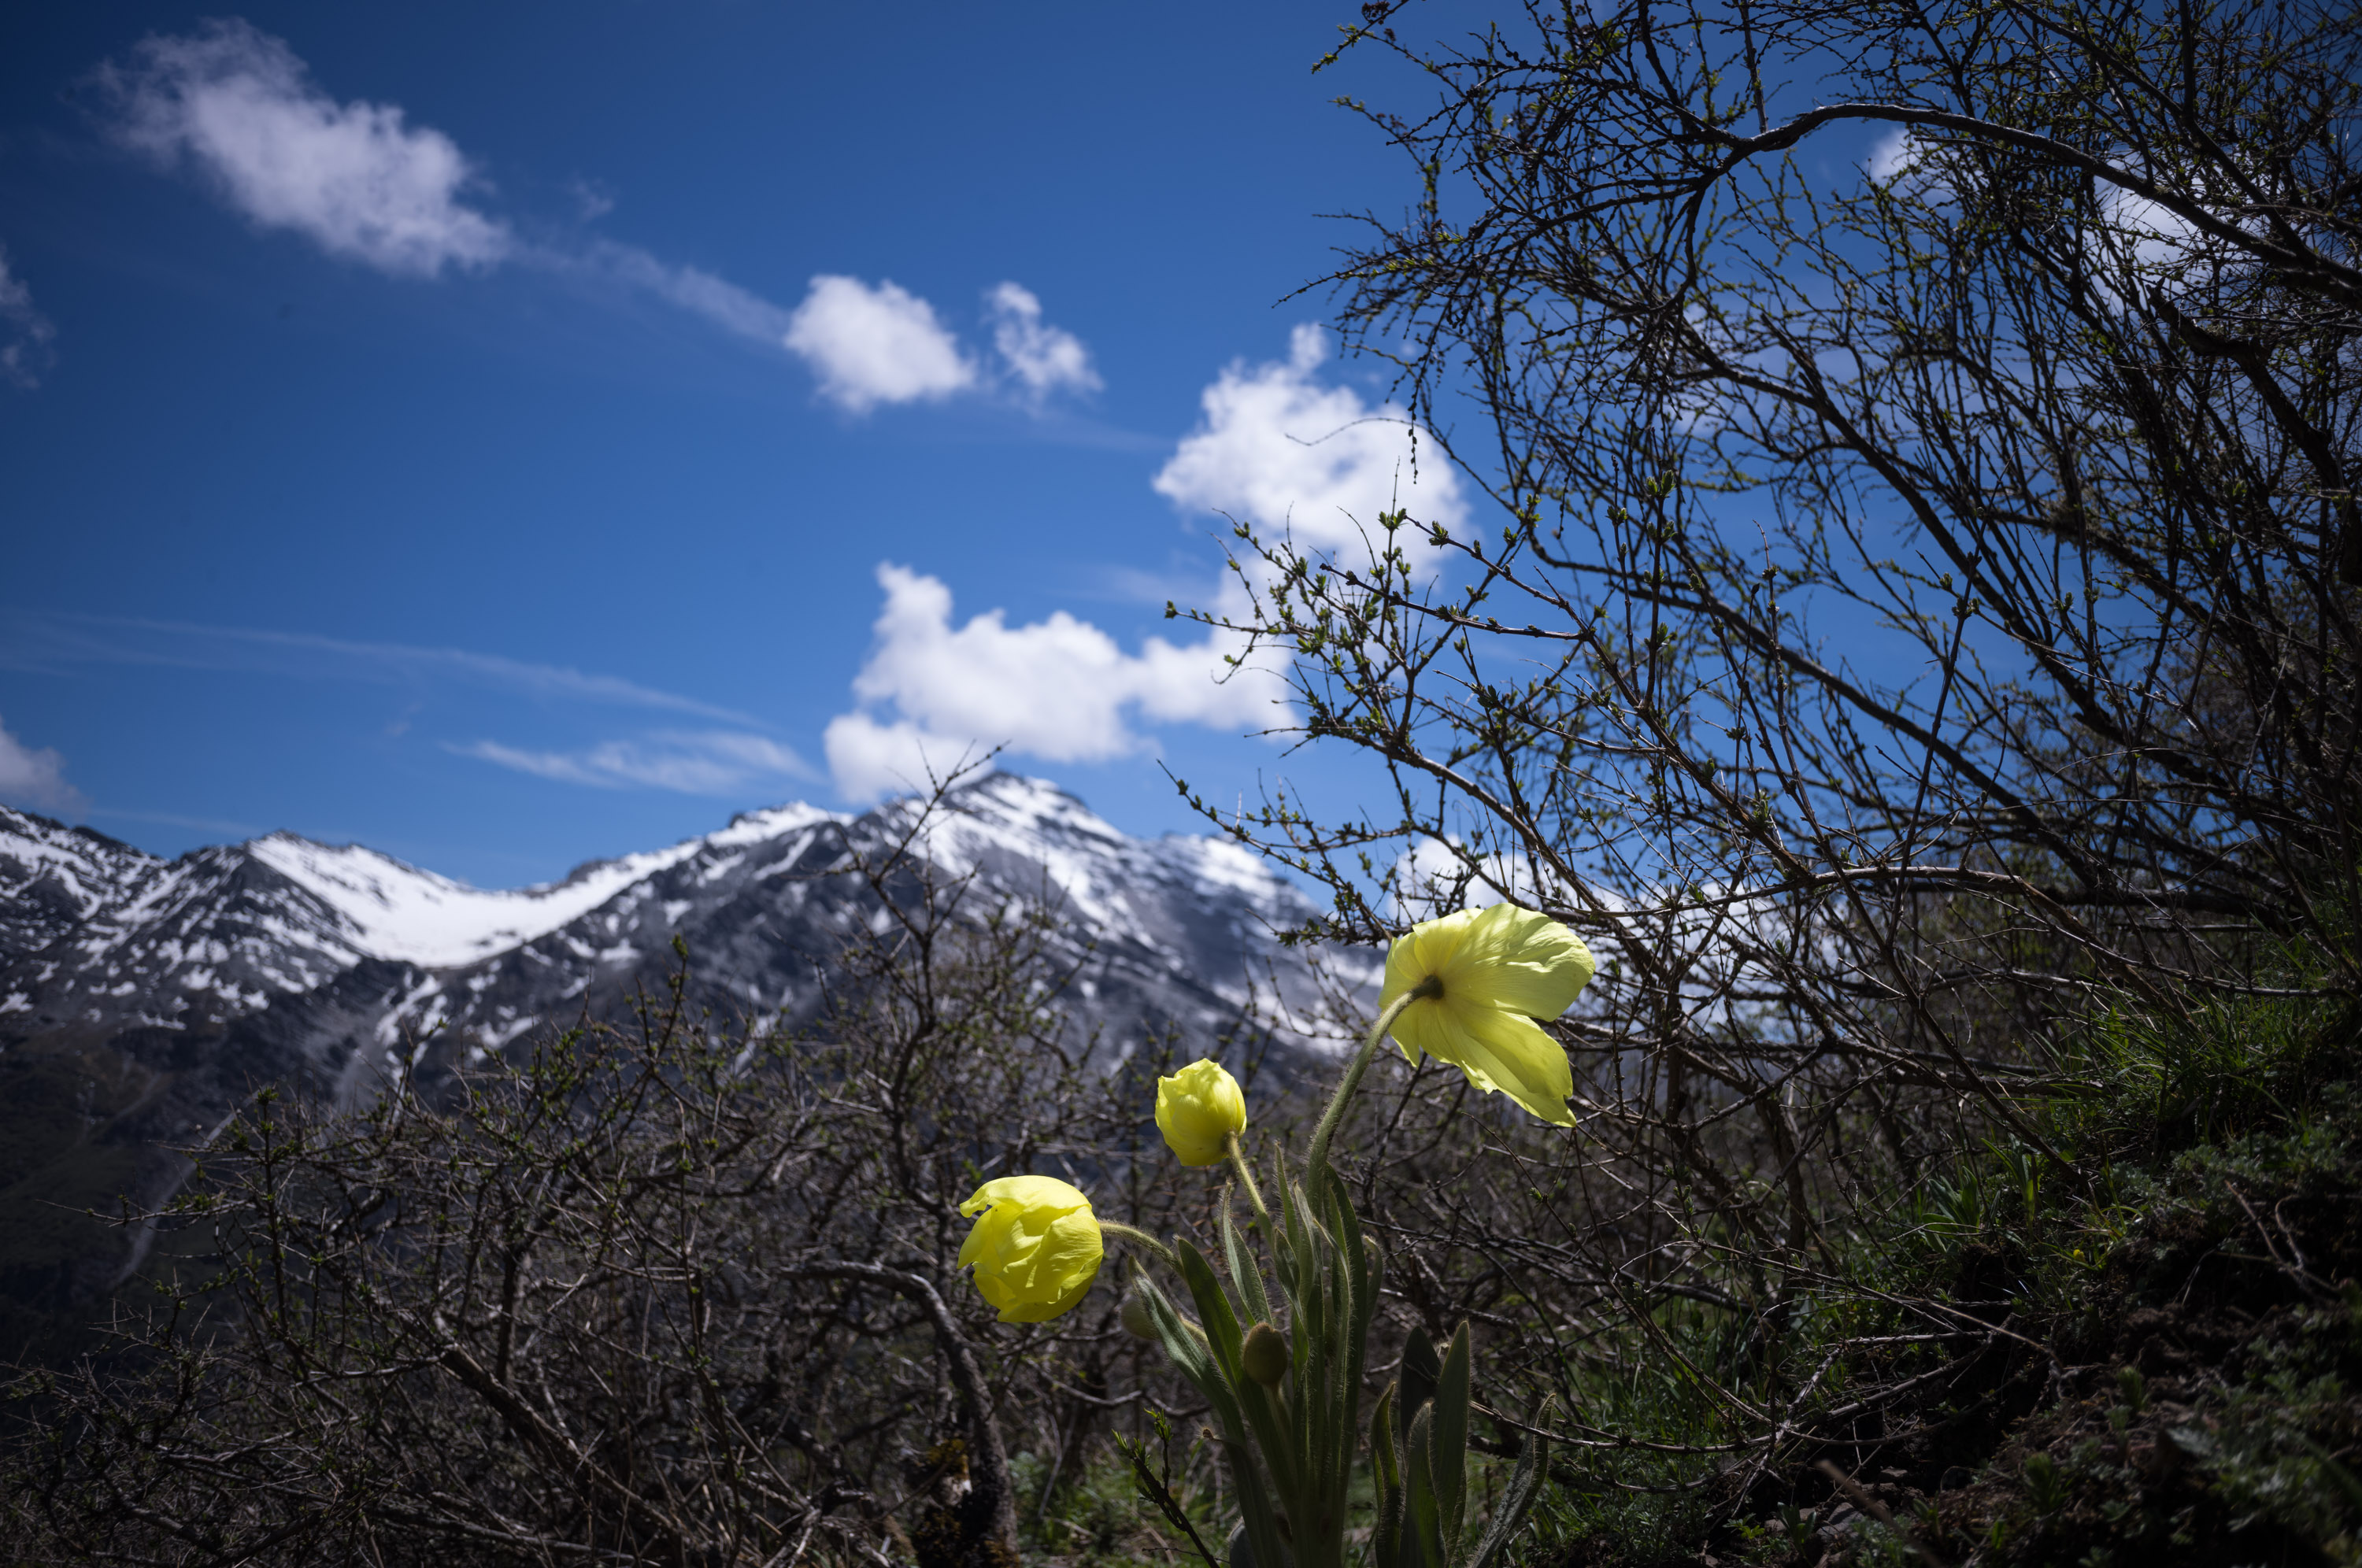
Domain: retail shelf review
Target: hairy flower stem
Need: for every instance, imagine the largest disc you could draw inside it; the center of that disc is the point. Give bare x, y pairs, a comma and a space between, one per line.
1246, 1178
1330, 1118
1130, 1233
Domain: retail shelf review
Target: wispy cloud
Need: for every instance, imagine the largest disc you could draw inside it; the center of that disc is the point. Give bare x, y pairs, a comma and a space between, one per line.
739, 311
34, 641
25, 333
174, 819
717, 761
36, 778
1895, 154
1042, 359
237, 108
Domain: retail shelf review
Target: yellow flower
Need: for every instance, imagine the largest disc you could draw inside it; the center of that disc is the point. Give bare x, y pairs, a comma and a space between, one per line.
1499, 969
1198, 1108
1036, 1249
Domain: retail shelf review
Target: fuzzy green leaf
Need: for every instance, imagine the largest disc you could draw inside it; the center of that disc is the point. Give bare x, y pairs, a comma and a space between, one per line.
1421, 1522
1450, 1455
1244, 1275
1518, 1498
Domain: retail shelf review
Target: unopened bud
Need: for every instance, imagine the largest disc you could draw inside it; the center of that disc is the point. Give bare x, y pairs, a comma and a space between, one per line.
1264, 1354
1134, 1316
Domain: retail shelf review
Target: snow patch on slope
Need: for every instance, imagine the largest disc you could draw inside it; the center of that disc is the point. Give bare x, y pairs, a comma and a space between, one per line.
52, 876
1124, 887
400, 912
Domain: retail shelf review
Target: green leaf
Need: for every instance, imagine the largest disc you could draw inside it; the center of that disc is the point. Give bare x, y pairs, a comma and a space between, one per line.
1214, 1309
1244, 1274
1421, 1520
1256, 1407
1420, 1368
1517, 1498
1386, 1478
1304, 1292
1199, 1362
1360, 1273
1384, 1465
1281, 1450
1283, 1227
1182, 1348
1450, 1440
1338, 1208
1255, 1513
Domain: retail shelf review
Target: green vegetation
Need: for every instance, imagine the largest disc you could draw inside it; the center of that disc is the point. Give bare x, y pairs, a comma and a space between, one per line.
2152, 1354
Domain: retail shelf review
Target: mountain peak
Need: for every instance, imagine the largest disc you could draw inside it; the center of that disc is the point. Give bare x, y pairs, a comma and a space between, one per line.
221, 933
153, 997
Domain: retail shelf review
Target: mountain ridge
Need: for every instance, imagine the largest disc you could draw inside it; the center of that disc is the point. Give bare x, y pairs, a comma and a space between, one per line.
142, 999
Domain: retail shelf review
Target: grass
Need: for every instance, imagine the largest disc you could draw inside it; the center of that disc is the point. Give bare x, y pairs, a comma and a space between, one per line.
1096, 1513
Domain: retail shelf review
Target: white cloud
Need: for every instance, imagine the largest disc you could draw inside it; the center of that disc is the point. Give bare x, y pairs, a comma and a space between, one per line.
2143, 236
877, 345
869, 757
239, 105
2138, 247
1045, 358
1276, 447
1422, 883
2134, 242
35, 778
1894, 154
1060, 689
25, 333
1280, 451
714, 762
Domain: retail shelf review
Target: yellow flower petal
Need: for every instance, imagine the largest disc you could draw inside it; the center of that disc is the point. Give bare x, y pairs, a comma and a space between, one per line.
1028, 1192
1499, 968
1424, 950
1197, 1109
1421, 1028
1513, 1056
1526, 963
1036, 1246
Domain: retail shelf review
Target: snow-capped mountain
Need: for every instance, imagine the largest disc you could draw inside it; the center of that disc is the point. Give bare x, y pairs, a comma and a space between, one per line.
141, 1000
98, 936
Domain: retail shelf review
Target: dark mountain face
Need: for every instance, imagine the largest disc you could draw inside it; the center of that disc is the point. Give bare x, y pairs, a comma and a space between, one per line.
142, 1000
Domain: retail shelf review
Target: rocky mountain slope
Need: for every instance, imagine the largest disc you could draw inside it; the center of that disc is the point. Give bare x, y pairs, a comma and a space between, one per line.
141, 1000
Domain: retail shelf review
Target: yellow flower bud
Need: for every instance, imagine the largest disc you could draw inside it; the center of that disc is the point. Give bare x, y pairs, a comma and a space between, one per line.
1197, 1109
1135, 1318
1264, 1353
1499, 969
1036, 1247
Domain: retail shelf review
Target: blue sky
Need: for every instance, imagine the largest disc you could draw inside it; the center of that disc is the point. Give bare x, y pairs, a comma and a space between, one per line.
509, 435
